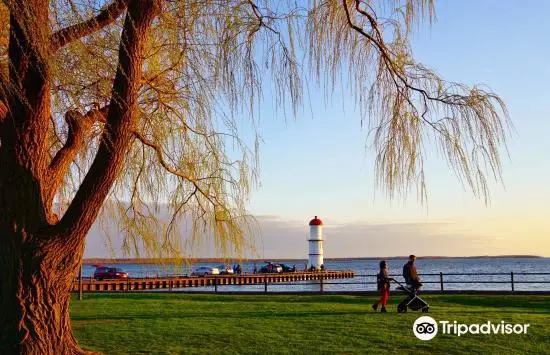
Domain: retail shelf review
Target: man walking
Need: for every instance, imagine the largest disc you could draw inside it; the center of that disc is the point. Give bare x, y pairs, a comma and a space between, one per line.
410, 274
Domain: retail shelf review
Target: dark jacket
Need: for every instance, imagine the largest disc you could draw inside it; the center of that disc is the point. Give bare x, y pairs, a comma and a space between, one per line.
382, 279
409, 273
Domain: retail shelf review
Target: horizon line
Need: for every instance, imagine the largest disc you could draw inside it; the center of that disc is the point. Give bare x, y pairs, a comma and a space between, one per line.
88, 261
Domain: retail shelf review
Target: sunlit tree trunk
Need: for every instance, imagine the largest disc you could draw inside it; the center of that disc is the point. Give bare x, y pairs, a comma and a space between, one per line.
36, 281
39, 254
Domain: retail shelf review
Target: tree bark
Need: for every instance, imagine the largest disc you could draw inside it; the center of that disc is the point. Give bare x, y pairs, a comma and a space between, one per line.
104, 18
39, 255
36, 278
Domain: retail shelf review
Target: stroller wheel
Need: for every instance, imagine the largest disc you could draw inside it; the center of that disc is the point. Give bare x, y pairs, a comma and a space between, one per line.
425, 309
401, 309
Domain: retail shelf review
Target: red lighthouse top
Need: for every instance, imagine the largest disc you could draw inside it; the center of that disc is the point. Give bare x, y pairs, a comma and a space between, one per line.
315, 222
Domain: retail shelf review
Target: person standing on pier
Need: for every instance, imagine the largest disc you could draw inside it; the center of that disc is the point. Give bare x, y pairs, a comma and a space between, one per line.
383, 281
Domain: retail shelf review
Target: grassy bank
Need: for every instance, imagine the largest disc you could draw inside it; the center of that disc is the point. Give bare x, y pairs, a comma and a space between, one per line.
223, 324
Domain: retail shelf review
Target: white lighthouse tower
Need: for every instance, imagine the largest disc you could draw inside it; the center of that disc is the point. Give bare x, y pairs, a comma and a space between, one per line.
315, 243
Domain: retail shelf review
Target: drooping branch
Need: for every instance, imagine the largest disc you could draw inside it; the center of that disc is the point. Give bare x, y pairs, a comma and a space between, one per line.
79, 128
469, 123
399, 77
121, 120
169, 169
106, 17
198, 187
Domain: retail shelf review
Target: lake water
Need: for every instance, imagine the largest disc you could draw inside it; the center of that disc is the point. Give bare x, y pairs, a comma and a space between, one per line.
475, 268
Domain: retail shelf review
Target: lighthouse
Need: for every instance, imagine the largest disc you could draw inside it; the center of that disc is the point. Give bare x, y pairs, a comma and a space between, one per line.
315, 243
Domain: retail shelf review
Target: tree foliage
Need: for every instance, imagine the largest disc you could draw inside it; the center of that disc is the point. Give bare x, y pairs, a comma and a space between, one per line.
206, 63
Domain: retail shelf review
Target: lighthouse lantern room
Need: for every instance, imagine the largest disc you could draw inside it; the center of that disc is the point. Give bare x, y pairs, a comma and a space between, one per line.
315, 243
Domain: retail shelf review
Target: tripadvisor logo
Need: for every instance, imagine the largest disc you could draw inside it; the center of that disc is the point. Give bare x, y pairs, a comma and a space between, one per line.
426, 328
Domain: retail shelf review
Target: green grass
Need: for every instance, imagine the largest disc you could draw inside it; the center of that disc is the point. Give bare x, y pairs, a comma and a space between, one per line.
226, 324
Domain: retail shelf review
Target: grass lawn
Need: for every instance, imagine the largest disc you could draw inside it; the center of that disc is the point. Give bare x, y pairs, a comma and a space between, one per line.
156, 323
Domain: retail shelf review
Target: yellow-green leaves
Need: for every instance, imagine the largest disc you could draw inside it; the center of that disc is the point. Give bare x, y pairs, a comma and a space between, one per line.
207, 64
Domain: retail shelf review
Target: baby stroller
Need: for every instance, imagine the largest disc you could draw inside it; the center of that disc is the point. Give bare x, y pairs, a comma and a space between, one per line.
413, 301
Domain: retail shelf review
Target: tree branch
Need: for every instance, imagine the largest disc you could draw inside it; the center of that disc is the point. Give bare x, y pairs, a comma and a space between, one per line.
471, 115
385, 53
121, 119
79, 128
158, 150
107, 16
164, 164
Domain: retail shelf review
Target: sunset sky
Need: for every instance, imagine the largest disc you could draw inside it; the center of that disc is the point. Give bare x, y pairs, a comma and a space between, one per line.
321, 164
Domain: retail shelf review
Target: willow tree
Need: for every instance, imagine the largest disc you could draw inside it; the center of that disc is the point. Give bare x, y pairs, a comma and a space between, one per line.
138, 101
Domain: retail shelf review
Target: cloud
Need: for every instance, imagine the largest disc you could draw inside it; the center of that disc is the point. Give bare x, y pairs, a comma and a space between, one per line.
280, 238
363, 240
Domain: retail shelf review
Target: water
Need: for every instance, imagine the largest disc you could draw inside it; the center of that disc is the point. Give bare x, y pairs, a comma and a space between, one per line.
366, 269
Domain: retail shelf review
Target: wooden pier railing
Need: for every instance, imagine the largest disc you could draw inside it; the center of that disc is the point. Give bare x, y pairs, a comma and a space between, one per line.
177, 282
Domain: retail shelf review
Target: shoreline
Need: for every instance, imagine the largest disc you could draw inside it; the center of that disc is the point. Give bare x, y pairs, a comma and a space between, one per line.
145, 261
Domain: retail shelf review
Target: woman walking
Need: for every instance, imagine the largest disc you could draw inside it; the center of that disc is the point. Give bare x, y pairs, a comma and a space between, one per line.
383, 281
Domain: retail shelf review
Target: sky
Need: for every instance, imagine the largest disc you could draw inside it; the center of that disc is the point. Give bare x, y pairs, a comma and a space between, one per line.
320, 163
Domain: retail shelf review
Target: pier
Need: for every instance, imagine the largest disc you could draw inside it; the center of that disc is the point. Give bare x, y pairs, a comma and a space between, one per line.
176, 282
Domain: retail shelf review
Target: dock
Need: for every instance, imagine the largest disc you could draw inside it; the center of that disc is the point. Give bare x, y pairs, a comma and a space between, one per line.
177, 282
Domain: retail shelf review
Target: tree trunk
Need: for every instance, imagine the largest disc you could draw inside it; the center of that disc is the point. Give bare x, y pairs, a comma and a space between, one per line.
39, 255
35, 282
